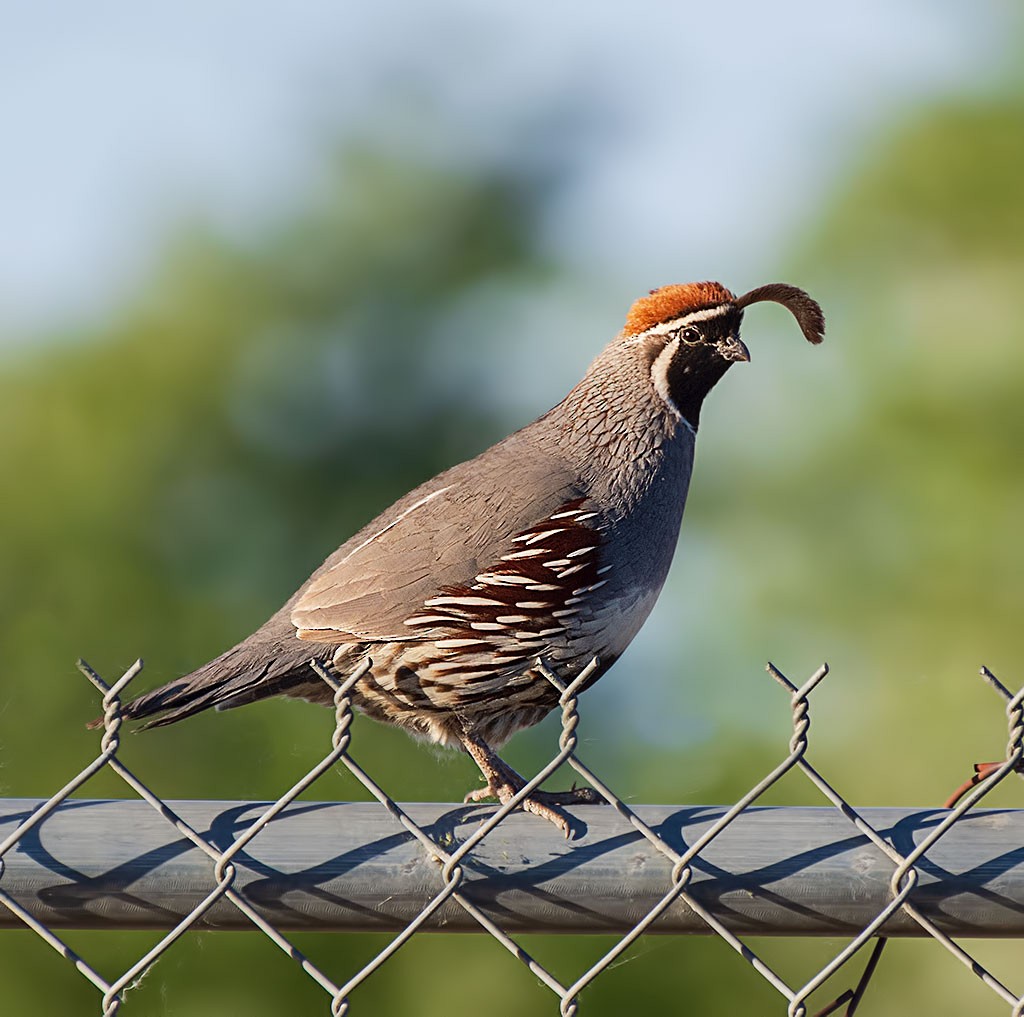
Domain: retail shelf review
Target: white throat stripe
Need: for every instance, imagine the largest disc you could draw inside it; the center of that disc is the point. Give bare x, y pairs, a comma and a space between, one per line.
659, 375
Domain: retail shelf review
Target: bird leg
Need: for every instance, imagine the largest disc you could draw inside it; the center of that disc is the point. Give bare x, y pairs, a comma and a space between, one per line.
504, 784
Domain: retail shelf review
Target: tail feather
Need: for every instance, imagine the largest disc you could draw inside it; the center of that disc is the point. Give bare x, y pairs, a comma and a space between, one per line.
272, 661
215, 684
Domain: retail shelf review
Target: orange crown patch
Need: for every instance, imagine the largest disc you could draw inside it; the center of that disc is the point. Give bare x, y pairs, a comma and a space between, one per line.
668, 302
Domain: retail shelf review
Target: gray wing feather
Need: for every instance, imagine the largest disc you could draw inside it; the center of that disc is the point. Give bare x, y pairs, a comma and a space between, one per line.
440, 534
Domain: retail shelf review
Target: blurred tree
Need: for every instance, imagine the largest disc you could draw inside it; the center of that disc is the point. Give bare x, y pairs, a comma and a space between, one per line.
175, 473
879, 522
902, 550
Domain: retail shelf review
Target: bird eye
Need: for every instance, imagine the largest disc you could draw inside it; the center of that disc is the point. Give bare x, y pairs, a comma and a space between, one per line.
690, 335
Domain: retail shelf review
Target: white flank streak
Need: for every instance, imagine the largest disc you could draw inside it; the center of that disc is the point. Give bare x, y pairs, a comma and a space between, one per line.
532, 605
557, 563
511, 619
602, 571
427, 619
569, 572
394, 522
462, 602
493, 579
567, 515
533, 552
579, 551
533, 538
486, 626
589, 589
541, 587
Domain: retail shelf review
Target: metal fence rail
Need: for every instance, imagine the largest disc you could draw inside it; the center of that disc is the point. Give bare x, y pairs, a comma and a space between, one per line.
726, 871
348, 867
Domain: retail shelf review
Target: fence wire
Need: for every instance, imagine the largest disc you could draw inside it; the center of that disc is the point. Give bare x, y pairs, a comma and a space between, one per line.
451, 859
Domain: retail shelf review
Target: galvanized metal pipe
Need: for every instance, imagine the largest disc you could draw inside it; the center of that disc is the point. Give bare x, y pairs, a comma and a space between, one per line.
351, 867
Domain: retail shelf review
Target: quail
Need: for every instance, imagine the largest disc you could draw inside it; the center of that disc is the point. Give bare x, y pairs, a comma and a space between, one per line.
550, 546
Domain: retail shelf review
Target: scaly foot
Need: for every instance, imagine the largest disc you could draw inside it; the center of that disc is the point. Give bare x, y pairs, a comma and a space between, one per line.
503, 783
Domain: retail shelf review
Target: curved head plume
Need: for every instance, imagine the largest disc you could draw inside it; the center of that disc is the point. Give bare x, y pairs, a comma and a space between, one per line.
803, 307
688, 335
704, 299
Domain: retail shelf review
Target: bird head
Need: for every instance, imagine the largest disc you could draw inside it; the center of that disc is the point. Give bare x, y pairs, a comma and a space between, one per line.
688, 335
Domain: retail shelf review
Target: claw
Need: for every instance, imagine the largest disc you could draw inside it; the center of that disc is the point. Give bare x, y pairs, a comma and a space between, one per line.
503, 783
545, 804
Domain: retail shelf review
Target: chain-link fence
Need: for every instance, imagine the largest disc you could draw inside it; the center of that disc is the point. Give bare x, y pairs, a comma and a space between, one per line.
862, 874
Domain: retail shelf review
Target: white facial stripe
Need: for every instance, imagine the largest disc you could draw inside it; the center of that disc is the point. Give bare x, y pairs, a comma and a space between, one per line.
687, 319
659, 377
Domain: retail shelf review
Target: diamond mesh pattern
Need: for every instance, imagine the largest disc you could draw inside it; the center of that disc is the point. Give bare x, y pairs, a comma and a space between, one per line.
451, 858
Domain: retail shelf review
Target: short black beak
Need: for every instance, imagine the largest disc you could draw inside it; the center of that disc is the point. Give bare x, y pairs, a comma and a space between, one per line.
732, 348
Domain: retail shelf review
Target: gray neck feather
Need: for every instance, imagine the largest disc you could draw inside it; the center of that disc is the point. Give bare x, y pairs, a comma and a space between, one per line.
616, 431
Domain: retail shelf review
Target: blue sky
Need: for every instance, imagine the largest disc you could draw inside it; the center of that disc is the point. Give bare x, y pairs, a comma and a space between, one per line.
703, 141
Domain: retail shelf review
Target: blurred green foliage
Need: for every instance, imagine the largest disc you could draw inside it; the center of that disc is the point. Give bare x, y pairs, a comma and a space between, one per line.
889, 534
174, 473
178, 472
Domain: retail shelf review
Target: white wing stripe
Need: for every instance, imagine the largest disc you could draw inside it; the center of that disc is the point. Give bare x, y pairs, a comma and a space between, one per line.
394, 522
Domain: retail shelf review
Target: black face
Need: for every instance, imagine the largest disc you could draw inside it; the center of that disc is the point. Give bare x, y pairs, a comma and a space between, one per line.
691, 359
